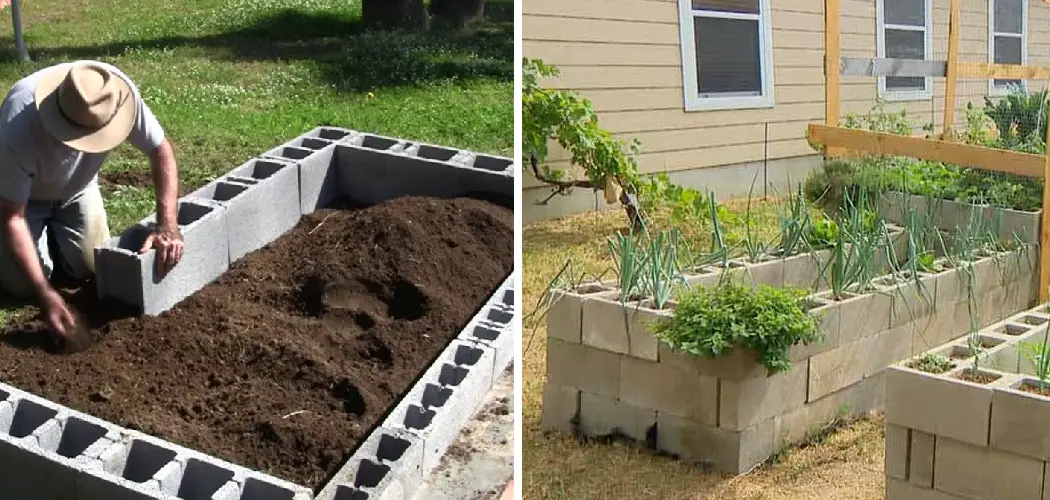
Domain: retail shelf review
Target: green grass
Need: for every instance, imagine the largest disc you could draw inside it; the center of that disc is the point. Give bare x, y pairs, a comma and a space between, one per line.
230, 79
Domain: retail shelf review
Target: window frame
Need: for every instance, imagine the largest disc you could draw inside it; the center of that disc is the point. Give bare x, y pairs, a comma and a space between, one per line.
696, 102
880, 46
993, 90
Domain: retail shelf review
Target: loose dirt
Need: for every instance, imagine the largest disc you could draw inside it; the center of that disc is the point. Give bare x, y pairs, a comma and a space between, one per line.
286, 362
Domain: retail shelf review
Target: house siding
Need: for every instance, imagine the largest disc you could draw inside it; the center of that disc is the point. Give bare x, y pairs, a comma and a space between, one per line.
625, 56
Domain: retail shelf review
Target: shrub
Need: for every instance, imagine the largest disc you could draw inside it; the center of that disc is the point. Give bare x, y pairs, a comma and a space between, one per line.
711, 322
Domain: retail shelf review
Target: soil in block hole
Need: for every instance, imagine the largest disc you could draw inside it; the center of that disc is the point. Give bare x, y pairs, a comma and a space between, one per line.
293, 356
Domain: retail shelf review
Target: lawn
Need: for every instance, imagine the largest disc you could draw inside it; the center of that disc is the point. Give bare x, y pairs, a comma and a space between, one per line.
843, 463
230, 79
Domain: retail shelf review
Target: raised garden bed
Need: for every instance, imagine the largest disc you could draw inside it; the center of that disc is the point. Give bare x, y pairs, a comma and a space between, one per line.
609, 373
1009, 223
952, 432
336, 361
330, 324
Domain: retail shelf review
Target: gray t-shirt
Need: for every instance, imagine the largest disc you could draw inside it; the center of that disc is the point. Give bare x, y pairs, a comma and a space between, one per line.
35, 166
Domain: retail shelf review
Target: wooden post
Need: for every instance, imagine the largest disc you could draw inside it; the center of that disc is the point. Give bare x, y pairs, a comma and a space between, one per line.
1044, 232
952, 71
832, 59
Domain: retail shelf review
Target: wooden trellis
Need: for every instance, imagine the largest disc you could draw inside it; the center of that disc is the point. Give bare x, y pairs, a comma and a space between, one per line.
836, 140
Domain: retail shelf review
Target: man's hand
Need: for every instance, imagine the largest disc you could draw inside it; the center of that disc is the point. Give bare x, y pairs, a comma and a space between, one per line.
57, 313
168, 243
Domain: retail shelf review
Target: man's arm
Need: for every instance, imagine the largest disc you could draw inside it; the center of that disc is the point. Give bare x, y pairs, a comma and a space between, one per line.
166, 184
166, 238
20, 242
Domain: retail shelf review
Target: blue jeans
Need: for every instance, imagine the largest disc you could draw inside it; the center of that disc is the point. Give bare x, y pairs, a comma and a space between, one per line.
77, 227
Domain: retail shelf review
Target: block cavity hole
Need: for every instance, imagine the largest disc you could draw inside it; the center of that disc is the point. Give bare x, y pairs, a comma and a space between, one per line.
263, 169
487, 334
29, 416
77, 436
314, 144
255, 489
487, 162
225, 191
418, 418
375, 142
144, 460
293, 153
466, 355
349, 493
201, 480
499, 316
192, 212
435, 396
332, 134
436, 153
370, 474
452, 375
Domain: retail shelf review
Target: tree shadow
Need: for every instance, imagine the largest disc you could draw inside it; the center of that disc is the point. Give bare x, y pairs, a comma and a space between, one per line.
348, 56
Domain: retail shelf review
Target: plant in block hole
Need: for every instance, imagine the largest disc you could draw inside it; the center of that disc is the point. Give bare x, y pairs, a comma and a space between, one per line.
931, 363
710, 322
659, 267
753, 244
1039, 355
795, 222
629, 264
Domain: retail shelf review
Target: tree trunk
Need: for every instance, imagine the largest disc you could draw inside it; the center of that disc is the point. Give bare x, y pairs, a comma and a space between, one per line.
457, 13
395, 14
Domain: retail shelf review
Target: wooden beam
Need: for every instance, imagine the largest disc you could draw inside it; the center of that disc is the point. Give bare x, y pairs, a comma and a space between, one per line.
1044, 232
1003, 71
832, 55
882, 143
860, 66
952, 70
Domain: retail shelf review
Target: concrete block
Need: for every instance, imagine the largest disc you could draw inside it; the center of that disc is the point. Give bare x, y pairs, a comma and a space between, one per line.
912, 298
643, 343
565, 316
743, 404
317, 179
584, 368
261, 202
887, 348
606, 322
368, 172
897, 489
863, 315
769, 271
605, 416
388, 465
1018, 224
731, 452
486, 162
735, 364
922, 450
932, 403
1020, 420
898, 444
838, 368
983, 473
829, 326
561, 408
804, 270
668, 389
336, 134
130, 277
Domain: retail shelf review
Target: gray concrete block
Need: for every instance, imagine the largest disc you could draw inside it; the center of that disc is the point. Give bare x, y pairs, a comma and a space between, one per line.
373, 176
261, 202
313, 155
124, 274
330, 133
388, 465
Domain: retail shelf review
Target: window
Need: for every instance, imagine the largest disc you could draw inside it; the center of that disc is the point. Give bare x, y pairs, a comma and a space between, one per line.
1007, 39
903, 32
726, 54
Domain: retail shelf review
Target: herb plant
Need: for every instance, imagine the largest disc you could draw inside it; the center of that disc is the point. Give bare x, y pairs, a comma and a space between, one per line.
708, 323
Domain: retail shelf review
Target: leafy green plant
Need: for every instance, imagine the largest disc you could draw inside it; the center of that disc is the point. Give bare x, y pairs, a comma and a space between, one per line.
710, 322
608, 163
1039, 356
1018, 117
931, 363
824, 232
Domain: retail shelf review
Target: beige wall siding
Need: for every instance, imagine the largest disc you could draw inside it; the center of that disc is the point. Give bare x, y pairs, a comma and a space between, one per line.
625, 56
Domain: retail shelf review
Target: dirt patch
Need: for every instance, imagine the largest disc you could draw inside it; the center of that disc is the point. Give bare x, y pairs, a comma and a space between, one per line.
286, 362
133, 178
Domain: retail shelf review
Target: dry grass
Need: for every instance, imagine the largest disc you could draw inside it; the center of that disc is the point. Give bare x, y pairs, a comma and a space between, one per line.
847, 463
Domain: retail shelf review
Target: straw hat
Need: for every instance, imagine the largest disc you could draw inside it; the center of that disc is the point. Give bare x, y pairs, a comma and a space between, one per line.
86, 106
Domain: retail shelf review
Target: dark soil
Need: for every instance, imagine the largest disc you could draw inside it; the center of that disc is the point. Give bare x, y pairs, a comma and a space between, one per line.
286, 362
977, 377
133, 178
1036, 388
